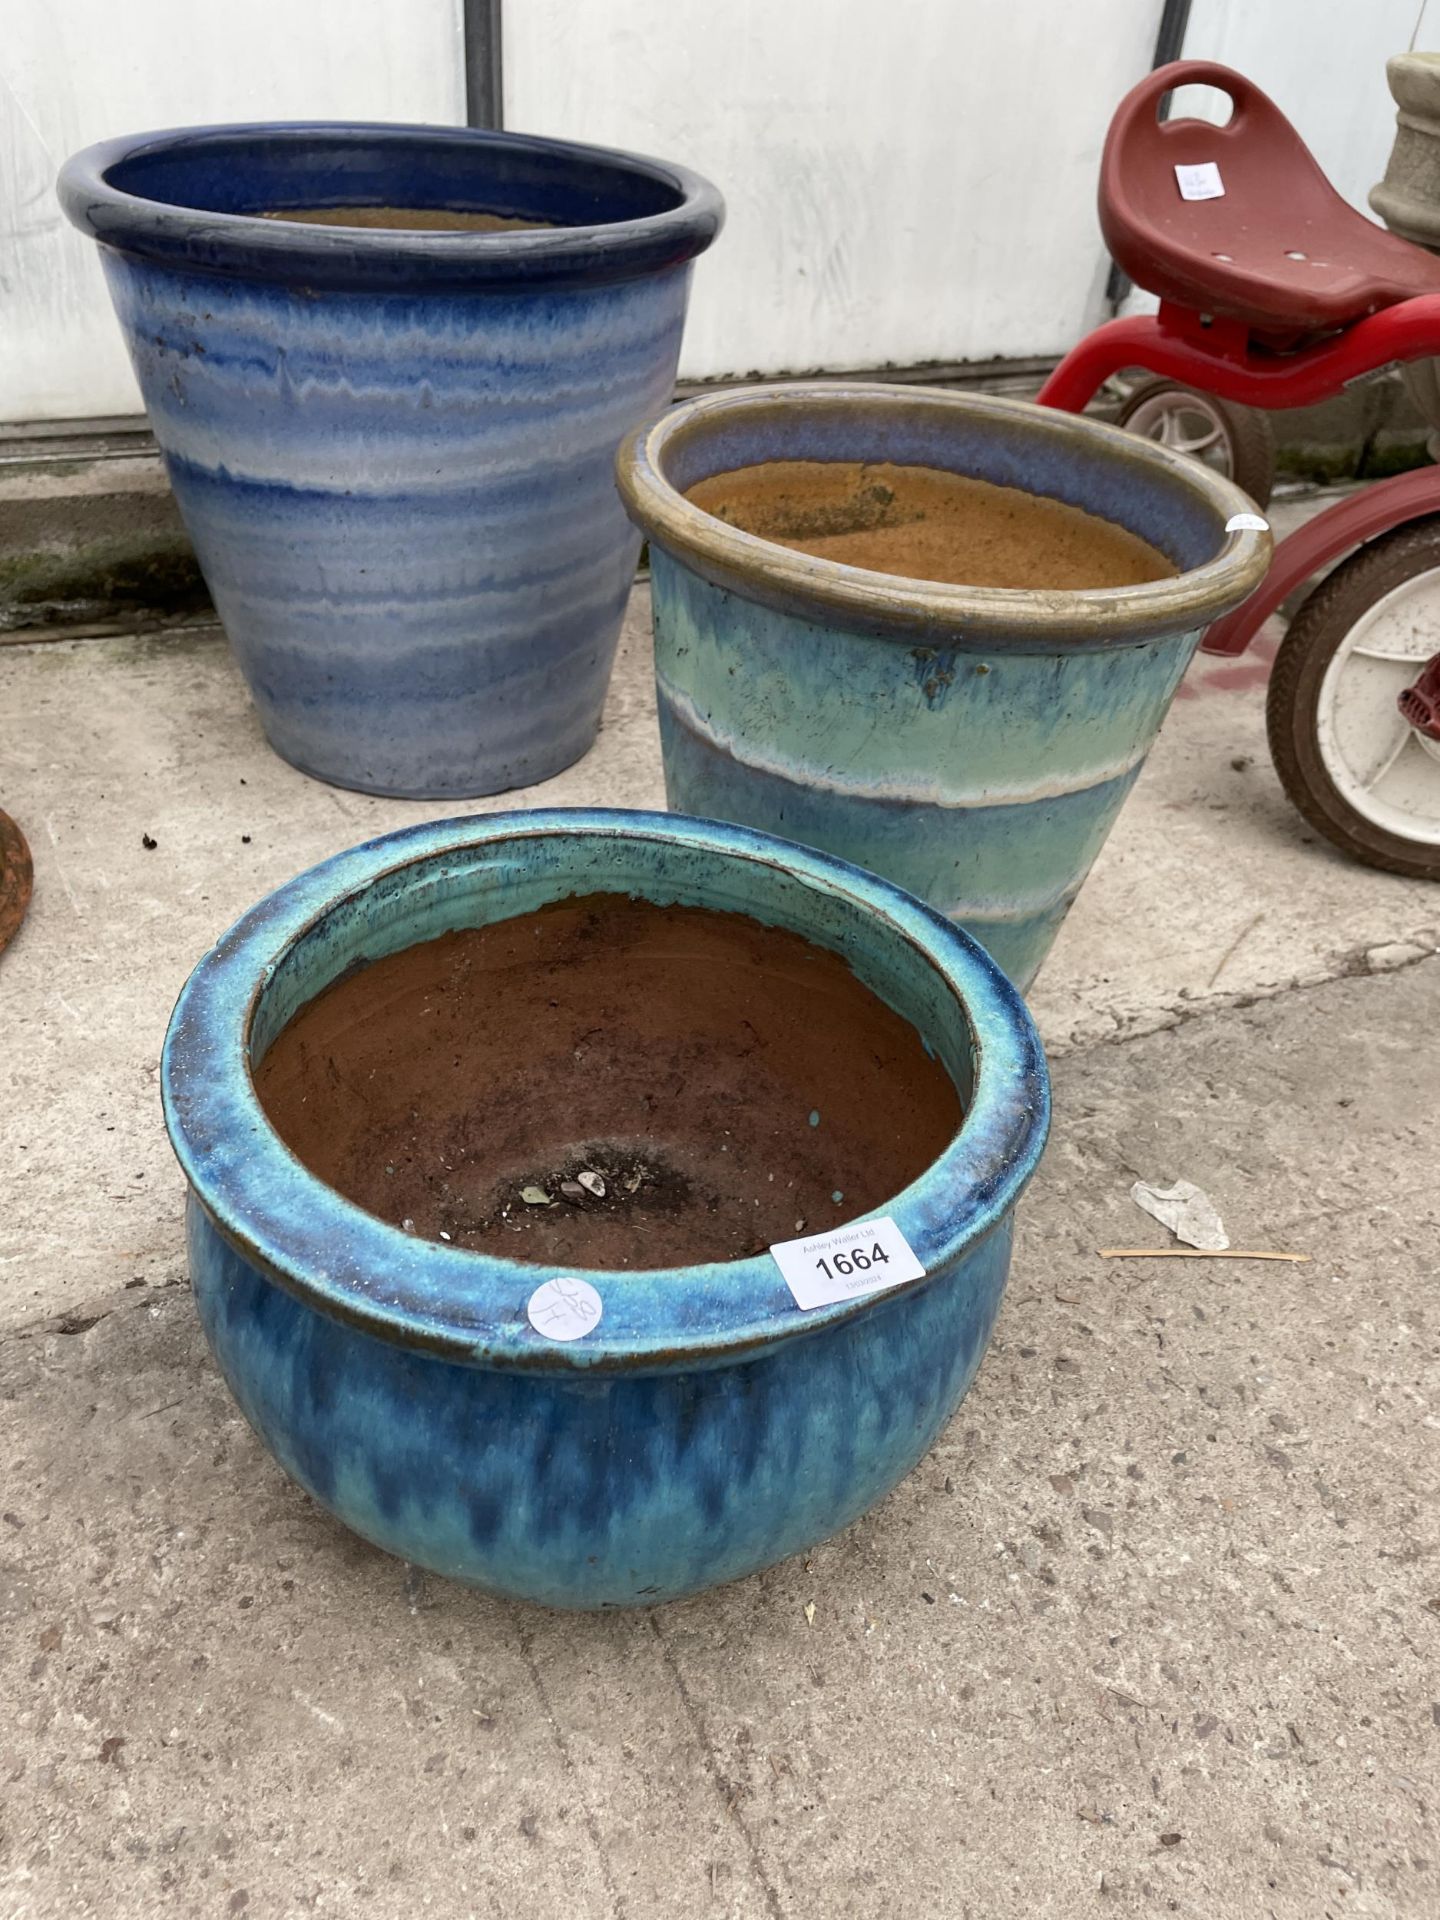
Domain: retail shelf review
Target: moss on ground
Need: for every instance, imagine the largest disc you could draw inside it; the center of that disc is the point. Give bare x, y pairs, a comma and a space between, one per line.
103, 580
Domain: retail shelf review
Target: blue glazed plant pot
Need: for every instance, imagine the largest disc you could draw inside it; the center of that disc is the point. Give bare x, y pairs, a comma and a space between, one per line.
705, 1426
393, 449
973, 744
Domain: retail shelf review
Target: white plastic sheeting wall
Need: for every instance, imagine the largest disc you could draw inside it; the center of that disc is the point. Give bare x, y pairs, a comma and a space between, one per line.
908, 180
74, 71
1323, 64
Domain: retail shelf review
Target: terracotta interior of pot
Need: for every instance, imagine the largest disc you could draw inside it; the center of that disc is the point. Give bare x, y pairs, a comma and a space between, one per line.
925, 523
609, 1083
955, 487
406, 219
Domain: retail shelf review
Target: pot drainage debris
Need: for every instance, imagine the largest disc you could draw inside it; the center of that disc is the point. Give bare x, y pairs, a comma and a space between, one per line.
603, 1180
631, 1191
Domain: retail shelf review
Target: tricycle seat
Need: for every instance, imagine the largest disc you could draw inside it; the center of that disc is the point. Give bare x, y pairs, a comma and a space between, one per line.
1251, 230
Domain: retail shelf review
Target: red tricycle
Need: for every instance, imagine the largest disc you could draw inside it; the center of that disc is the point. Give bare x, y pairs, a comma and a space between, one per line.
1274, 292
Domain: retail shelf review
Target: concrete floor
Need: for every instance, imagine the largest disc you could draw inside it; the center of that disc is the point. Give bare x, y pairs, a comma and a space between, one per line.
1155, 1628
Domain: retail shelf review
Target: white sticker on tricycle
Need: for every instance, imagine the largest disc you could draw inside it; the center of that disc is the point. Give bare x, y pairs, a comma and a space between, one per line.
1200, 182
866, 1257
1246, 523
564, 1308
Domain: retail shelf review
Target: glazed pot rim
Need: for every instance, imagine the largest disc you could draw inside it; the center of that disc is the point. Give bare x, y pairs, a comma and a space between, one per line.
359, 259
471, 1307
890, 605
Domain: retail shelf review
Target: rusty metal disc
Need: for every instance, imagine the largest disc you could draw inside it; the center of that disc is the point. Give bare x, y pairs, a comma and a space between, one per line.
17, 879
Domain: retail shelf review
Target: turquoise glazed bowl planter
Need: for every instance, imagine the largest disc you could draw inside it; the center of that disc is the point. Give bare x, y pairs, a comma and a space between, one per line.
393, 449
704, 1426
973, 744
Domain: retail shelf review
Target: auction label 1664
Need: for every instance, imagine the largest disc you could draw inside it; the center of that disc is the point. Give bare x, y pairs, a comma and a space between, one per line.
867, 1256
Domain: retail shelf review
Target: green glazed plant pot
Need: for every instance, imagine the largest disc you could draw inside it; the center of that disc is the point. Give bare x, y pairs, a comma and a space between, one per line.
972, 744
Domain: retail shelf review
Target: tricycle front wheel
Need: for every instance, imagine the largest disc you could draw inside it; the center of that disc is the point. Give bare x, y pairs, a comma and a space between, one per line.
1359, 772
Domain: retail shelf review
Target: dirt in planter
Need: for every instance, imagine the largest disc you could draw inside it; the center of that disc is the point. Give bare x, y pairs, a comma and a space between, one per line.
608, 1083
928, 525
406, 219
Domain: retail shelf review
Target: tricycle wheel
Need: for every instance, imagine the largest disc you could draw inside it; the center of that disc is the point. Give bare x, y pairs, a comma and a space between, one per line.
1358, 771
1234, 440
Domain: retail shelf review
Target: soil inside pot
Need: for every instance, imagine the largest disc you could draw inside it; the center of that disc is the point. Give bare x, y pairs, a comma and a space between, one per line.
609, 1083
406, 219
926, 524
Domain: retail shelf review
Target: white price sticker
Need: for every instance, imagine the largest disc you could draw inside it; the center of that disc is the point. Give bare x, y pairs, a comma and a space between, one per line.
1246, 523
1200, 182
866, 1257
564, 1308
